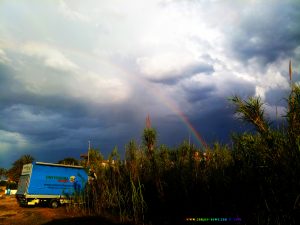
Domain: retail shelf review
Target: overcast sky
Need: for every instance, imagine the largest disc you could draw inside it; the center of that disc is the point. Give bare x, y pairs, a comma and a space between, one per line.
74, 71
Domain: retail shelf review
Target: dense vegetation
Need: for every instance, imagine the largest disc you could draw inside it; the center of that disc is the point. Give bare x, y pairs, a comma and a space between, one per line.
256, 179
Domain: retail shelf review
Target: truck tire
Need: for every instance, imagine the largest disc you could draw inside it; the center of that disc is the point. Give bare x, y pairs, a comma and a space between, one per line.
54, 204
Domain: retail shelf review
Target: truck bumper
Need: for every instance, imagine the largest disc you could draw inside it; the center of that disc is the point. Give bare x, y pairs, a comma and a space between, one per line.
25, 200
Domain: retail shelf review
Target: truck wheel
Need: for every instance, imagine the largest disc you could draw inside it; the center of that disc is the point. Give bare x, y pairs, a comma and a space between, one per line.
54, 204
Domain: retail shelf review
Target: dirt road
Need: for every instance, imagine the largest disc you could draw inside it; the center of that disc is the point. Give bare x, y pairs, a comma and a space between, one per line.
12, 214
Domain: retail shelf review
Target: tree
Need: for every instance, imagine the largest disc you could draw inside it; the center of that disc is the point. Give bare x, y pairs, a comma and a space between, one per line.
132, 159
93, 159
252, 111
15, 171
131, 151
293, 114
149, 139
268, 163
3, 173
149, 136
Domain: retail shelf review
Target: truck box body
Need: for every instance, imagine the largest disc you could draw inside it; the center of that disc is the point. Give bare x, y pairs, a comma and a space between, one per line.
47, 182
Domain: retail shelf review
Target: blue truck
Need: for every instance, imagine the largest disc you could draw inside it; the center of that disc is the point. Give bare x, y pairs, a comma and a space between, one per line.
53, 184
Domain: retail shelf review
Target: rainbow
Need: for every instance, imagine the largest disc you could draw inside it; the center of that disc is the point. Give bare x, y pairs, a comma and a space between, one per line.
174, 108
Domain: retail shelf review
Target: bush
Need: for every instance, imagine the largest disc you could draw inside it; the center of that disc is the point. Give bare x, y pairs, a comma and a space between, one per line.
12, 185
3, 183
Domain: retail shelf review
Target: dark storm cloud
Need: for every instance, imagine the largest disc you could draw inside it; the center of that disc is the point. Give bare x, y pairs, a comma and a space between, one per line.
277, 97
57, 126
175, 76
208, 93
268, 30
198, 94
40, 123
213, 114
171, 130
26, 120
54, 137
218, 122
215, 124
9, 87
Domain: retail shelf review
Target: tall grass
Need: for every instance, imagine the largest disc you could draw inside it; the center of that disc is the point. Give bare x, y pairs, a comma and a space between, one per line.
257, 179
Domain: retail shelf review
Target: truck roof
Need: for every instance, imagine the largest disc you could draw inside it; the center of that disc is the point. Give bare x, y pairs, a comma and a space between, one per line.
54, 164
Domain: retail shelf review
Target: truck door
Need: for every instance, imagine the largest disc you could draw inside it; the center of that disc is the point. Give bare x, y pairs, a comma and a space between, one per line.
24, 179
23, 184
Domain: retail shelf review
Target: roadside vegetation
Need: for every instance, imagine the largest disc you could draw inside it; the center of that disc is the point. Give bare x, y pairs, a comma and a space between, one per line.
256, 179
